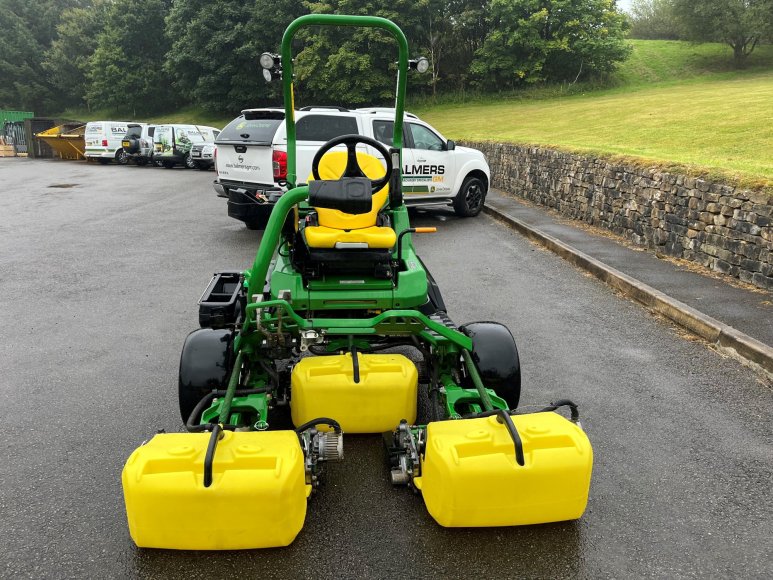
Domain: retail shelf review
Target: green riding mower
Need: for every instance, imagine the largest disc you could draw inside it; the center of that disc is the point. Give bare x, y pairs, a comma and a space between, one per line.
318, 327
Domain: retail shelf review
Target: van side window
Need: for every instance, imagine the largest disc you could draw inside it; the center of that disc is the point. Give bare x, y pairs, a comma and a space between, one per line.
423, 138
325, 127
151, 131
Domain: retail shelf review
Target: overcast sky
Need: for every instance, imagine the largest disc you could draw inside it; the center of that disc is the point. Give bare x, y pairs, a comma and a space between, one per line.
625, 4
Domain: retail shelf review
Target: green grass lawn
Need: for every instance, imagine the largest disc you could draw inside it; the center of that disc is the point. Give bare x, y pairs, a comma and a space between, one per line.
669, 108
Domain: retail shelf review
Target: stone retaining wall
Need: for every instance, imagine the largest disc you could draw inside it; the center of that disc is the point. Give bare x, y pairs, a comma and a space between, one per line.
724, 228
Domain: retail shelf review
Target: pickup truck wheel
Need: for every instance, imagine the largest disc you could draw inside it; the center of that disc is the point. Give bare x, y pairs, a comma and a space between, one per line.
189, 162
471, 197
121, 157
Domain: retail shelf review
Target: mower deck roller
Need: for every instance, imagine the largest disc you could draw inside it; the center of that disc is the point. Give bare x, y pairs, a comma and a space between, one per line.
469, 456
257, 498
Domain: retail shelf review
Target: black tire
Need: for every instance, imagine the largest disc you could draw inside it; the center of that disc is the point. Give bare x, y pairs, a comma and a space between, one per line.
204, 366
496, 358
167, 164
188, 162
158, 163
121, 157
471, 197
103, 161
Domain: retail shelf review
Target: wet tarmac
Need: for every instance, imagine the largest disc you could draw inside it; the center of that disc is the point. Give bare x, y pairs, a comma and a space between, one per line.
99, 286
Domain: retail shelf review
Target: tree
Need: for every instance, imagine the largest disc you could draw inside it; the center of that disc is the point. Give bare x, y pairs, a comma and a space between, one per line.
739, 23
355, 66
27, 30
550, 40
123, 72
67, 60
654, 19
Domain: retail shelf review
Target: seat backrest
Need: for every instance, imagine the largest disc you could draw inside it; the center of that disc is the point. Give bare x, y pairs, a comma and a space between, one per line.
331, 166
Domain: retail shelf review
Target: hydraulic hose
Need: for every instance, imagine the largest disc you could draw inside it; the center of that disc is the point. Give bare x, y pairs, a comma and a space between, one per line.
210, 456
206, 400
575, 414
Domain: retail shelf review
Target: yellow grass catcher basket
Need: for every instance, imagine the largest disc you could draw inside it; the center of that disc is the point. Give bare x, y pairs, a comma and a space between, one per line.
257, 498
470, 477
385, 394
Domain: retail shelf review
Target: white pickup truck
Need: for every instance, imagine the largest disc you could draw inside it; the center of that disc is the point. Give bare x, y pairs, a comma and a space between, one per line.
251, 159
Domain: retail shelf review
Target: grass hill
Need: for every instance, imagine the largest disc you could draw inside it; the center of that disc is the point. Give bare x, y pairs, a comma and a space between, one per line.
672, 104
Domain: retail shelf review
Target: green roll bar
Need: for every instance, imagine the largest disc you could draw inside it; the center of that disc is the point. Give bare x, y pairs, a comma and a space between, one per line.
287, 78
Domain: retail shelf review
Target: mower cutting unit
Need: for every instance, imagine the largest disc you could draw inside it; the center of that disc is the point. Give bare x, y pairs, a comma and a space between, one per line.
321, 324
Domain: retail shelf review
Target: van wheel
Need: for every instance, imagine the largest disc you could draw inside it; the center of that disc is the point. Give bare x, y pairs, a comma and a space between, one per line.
121, 157
471, 197
189, 162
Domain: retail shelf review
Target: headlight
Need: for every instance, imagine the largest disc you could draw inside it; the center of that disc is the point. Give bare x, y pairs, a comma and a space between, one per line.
268, 60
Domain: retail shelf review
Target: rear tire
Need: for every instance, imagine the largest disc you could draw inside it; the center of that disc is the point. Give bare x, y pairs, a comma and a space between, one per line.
204, 365
496, 358
121, 157
189, 162
471, 197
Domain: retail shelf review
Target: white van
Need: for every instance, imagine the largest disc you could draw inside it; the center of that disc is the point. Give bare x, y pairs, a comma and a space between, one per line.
173, 143
103, 141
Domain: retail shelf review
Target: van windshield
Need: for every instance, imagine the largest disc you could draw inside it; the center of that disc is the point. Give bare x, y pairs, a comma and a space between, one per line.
241, 129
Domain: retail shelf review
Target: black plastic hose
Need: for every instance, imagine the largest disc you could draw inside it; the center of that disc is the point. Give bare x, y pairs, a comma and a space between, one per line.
319, 421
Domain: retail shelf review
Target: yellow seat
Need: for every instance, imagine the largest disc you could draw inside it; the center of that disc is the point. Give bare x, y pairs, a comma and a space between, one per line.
342, 230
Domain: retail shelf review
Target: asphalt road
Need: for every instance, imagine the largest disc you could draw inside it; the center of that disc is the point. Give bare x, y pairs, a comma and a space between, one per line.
101, 270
